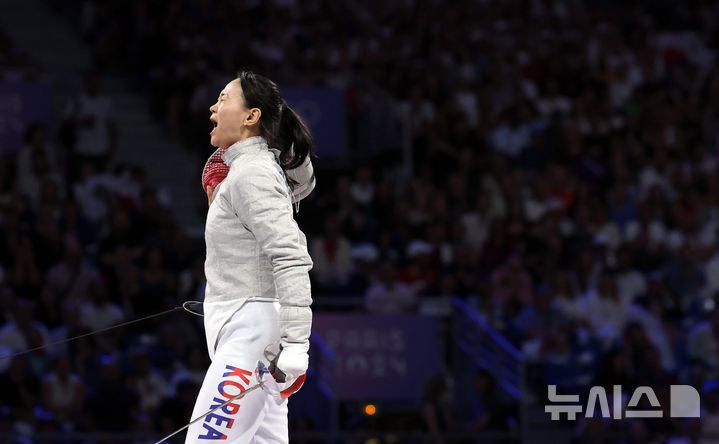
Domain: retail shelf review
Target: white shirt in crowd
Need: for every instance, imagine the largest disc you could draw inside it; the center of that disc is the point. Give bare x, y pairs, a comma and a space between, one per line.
335, 268
703, 345
91, 140
711, 275
151, 388
380, 298
95, 317
631, 284
656, 232
12, 338
606, 316
511, 140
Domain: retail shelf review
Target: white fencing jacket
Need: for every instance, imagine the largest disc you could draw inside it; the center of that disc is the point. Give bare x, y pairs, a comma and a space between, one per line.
255, 250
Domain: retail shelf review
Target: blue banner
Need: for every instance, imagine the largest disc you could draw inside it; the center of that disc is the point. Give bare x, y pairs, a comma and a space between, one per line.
325, 113
381, 358
20, 105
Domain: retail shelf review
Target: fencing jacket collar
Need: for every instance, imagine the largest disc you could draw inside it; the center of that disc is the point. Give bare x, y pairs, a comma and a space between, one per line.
303, 175
251, 144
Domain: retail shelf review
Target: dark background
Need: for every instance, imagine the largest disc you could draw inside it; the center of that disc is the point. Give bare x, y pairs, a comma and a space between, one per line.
536, 180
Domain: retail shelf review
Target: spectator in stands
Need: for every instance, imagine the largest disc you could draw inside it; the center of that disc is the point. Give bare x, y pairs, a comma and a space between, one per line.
192, 368
7, 303
147, 381
25, 275
437, 412
604, 308
364, 257
362, 188
573, 135
709, 418
565, 299
711, 276
490, 410
703, 343
477, 221
511, 285
99, 312
23, 332
90, 127
538, 319
174, 410
120, 414
388, 295
48, 237
157, 285
421, 272
48, 310
20, 389
63, 392
71, 326
586, 271
71, 278
37, 162
92, 190
631, 284
331, 256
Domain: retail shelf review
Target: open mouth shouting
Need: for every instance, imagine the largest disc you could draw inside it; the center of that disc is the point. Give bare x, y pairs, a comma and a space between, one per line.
213, 119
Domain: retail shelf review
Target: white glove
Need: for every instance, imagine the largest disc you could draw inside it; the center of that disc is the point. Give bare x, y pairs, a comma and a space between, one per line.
294, 360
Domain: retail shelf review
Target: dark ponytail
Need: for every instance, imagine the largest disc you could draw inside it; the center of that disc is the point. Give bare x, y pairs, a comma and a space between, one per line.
279, 124
294, 138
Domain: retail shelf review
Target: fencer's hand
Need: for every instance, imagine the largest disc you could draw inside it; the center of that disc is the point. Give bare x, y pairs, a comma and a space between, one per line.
209, 191
293, 360
289, 368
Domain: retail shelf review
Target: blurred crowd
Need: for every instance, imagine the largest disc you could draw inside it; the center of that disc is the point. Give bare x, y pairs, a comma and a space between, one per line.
564, 184
15, 66
84, 247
